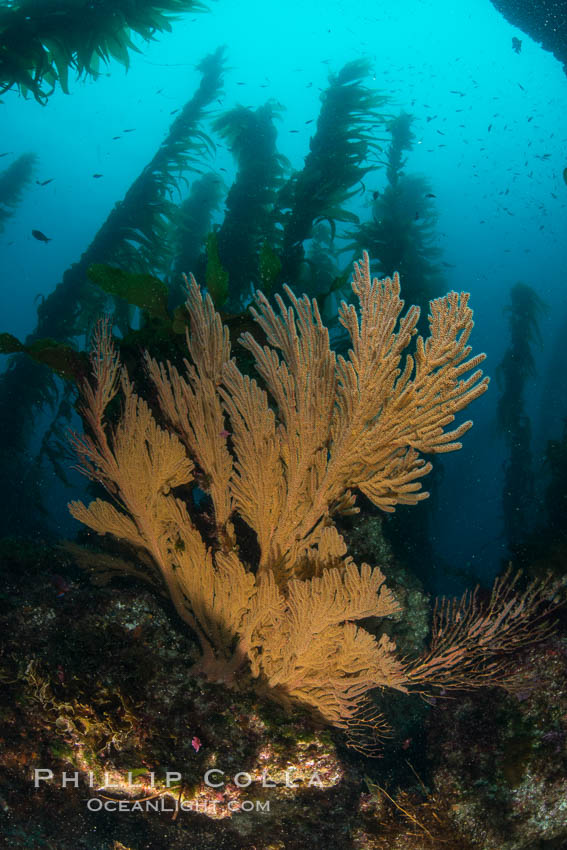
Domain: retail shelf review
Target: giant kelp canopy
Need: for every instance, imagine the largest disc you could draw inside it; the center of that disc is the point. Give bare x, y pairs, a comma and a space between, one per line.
41, 40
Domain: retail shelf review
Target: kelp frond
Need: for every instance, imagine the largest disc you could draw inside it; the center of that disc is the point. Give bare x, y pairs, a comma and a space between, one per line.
401, 233
249, 221
139, 227
41, 42
348, 131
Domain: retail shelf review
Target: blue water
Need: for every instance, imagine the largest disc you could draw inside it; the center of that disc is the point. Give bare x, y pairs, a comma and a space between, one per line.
493, 152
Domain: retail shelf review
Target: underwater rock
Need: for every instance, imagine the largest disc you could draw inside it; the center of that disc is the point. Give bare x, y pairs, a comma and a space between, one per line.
97, 686
545, 21
98, 697
500, 759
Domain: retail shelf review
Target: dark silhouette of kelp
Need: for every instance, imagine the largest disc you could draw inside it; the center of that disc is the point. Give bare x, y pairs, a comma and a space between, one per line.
270, 218
13, 181
516, 368
249, 219
133, 235
401, 234
191, 224
556, 491
346, 136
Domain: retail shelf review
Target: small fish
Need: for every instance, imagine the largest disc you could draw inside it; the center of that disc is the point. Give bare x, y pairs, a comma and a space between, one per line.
516, 45
41, 237
173, 111
60, 584
130, 130
96, 176
196, 743
521, 86
310, 121
565, 176
430, 195
489, 127
7, 153
294, 131
116, 137
45, 182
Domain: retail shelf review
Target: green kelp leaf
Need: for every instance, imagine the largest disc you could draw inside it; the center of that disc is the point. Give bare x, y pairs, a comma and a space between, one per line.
270, 267
142, 290
216, 276
117, 46
61, 358
61, 59
10, 344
